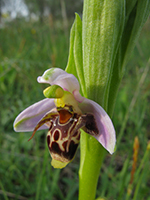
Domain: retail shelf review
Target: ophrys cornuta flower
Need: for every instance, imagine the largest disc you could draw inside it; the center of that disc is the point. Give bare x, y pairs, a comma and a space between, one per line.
64, 112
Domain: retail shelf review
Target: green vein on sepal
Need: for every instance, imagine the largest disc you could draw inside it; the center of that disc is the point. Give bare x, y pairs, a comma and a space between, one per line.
25, 119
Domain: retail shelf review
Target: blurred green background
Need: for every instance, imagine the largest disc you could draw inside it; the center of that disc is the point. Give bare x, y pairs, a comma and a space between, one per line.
34, 36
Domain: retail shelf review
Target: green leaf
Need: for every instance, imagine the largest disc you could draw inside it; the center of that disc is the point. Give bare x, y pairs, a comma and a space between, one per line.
133, 28
71, 63
129, 7
139, 13
78, 53
75, 61
103, 23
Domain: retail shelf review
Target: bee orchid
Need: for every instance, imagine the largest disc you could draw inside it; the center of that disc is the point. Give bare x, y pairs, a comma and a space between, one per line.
64, 112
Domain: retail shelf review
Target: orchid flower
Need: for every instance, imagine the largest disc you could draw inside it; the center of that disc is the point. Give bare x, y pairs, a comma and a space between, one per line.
64, 112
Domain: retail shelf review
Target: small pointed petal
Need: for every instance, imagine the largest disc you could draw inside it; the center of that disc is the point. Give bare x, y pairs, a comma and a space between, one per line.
106, 136
28, 119
56, 76
45, 120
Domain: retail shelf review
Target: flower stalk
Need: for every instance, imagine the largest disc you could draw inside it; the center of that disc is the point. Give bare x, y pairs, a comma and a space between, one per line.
109, 33
100, 35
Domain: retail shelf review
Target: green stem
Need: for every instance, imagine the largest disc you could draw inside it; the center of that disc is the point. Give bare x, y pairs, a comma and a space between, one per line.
109, 33
92, 155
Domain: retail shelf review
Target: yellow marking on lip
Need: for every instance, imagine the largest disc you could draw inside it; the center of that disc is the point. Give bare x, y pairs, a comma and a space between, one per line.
68, 99
58, 164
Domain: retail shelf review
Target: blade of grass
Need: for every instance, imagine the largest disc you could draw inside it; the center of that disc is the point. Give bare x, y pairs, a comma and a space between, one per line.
123, 176
3, 191
40, 180
12, 195
72, 191
134, 99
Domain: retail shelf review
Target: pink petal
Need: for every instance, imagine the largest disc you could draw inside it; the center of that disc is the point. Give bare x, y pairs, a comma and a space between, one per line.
56, 76
28, 119
78, 96
106, 136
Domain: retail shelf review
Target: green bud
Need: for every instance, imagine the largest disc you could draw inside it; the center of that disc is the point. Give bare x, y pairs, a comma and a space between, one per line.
53, 91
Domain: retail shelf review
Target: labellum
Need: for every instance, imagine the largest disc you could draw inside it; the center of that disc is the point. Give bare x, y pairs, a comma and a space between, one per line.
64, 135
